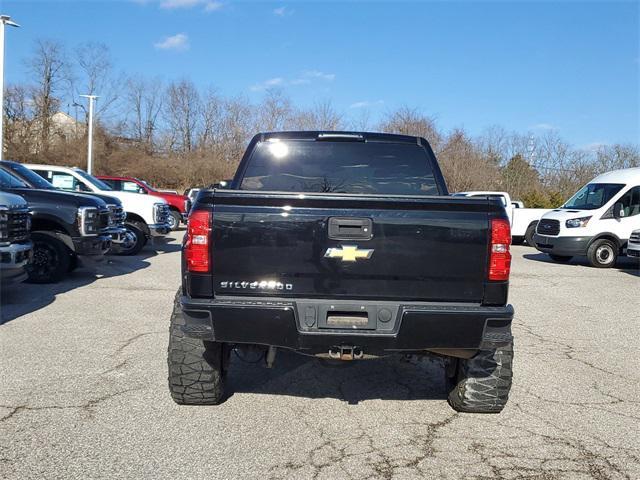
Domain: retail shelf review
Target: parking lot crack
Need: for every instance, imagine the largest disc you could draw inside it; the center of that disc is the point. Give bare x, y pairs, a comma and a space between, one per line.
131, 340
596, 464
13, 411
569, 352
87, 406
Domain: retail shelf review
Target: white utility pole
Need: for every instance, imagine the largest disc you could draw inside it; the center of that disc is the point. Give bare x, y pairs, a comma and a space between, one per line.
4, 20
92, 98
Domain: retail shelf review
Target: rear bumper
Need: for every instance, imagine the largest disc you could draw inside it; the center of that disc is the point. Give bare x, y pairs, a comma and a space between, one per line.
292, 325
13, 261
566, 246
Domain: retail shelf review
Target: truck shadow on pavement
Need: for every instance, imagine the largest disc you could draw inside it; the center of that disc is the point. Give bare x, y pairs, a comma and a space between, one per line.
25, 298
390, 378
624, 264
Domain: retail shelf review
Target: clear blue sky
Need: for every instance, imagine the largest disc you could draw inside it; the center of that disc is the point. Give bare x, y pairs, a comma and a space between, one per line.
571, 66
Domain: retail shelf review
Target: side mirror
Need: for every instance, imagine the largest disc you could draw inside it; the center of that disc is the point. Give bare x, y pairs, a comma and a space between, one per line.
618, 210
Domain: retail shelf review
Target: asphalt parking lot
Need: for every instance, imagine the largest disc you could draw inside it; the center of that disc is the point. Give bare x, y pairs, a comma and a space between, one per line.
83, 390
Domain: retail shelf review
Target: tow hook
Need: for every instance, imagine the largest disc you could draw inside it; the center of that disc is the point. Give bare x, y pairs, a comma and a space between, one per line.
346, 353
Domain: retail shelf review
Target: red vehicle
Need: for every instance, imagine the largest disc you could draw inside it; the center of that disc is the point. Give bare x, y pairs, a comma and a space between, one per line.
178, 204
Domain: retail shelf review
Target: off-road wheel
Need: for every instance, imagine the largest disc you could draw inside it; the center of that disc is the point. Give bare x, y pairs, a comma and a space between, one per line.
174, 219
196, 375
528, 236
560, 258
135, 240
481, 384
602, 253
51, 259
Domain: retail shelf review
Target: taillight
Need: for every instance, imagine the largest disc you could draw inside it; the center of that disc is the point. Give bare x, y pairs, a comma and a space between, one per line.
499, 255
197, 251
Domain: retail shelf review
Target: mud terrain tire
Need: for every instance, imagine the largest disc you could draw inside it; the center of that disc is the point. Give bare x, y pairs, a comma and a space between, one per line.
195, 366
481, 384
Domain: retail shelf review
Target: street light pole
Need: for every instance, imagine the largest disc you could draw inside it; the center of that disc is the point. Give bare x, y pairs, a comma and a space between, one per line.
92, 99
4, 20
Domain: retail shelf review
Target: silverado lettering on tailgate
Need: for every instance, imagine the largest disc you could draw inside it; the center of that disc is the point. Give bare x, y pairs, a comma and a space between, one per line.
263, 285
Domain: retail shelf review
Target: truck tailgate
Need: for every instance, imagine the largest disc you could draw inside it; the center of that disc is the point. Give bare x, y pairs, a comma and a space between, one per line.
349, 246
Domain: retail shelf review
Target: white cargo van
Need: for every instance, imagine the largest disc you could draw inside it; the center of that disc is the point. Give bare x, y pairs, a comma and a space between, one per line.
596, 222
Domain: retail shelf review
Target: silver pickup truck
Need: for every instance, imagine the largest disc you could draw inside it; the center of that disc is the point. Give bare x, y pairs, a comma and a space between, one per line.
15, 245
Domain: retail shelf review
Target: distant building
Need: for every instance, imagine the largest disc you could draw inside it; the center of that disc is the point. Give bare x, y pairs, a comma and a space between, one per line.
62, 127
65, 126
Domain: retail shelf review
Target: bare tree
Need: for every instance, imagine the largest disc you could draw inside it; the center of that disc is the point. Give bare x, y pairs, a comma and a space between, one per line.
322, 116
500, 146
613, 157
274, 112
464, 166
212, 120
182, 113
143, 104
19, 121
409, 121
236, 129
362, 121
93, 75
49, 69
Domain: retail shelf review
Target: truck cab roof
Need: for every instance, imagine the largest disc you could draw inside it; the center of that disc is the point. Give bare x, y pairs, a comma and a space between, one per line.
340, 135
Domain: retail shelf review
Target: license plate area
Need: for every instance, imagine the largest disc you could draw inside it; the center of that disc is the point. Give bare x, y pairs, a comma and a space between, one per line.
347, 317
347, 320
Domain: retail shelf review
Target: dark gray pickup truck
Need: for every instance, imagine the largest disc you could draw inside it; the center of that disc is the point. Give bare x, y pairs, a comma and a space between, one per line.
346, 246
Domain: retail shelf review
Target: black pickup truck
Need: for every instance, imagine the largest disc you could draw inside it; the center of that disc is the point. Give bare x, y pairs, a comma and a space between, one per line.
344, 245
65, 228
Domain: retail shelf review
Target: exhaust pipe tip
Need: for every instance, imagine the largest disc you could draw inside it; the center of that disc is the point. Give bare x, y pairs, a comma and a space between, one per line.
334, 353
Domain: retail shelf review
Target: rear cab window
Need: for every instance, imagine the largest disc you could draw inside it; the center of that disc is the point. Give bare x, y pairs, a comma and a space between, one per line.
294, 165
62, 180
115, 184
129, 186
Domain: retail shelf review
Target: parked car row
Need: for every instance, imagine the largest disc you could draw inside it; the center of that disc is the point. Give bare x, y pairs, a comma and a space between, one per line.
600, 222
178, 204
52, 218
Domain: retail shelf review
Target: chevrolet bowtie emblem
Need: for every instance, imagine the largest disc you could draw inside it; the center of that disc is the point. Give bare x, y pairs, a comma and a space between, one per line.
348, 253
